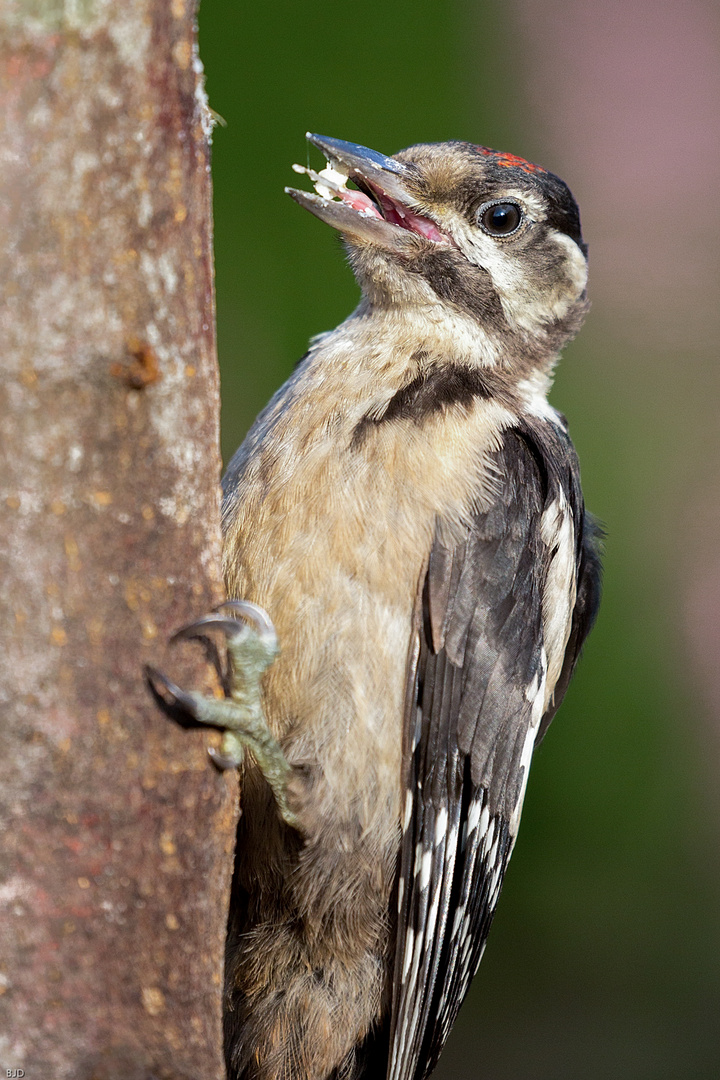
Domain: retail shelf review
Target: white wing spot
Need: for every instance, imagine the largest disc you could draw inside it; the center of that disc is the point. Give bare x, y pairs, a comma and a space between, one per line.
484, 820
425, 870
409, 939
473, 816
417, 731
407, 816
417, 954
441, 825
432, 915
492, 857
460, 911
451, 845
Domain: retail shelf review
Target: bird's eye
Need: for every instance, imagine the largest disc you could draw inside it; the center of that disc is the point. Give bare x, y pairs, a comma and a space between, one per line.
501, 218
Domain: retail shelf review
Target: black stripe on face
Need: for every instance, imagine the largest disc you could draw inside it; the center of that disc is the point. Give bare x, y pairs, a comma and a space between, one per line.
432, 391
457, 281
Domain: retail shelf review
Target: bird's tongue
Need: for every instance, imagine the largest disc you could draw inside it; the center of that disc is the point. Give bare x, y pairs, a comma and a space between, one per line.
394, 212
359, 202
400, 215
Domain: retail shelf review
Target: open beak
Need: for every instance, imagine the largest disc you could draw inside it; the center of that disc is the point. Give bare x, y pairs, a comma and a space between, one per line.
378, 209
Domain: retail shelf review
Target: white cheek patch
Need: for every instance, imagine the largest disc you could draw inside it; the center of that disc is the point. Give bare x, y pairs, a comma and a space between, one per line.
576, 265
522, 302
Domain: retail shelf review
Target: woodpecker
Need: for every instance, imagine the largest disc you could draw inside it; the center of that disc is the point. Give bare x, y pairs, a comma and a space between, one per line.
406, 519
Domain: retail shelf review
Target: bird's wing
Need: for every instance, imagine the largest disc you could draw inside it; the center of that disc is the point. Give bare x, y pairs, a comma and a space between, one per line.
477, 691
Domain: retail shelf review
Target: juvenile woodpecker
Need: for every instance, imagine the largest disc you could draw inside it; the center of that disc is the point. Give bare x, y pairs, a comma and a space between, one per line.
407, 511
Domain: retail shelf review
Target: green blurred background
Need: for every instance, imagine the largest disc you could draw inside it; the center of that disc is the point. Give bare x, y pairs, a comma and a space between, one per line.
603, 959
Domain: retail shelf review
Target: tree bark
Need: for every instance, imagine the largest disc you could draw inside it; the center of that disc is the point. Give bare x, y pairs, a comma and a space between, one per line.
118, 833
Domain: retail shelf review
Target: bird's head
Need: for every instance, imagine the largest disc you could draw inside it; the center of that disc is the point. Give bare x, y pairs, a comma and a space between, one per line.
487, 236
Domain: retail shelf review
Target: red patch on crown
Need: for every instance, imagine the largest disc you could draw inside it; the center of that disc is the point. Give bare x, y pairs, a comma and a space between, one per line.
510, 160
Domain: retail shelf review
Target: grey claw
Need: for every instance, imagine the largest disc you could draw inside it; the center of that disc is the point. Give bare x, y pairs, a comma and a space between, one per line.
255, 613
165, 688
230, 627
220, 761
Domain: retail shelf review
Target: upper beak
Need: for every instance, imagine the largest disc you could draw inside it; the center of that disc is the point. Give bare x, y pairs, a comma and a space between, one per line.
368, 164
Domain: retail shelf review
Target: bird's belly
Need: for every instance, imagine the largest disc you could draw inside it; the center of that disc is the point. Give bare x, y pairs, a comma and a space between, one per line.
335, 696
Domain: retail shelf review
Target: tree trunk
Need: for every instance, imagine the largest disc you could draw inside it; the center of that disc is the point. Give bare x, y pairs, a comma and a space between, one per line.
118, 832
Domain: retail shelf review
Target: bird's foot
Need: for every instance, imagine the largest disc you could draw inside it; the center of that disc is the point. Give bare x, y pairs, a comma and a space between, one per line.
252, 646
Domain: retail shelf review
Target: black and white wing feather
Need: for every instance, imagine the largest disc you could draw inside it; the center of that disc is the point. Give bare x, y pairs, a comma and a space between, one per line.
494, 612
